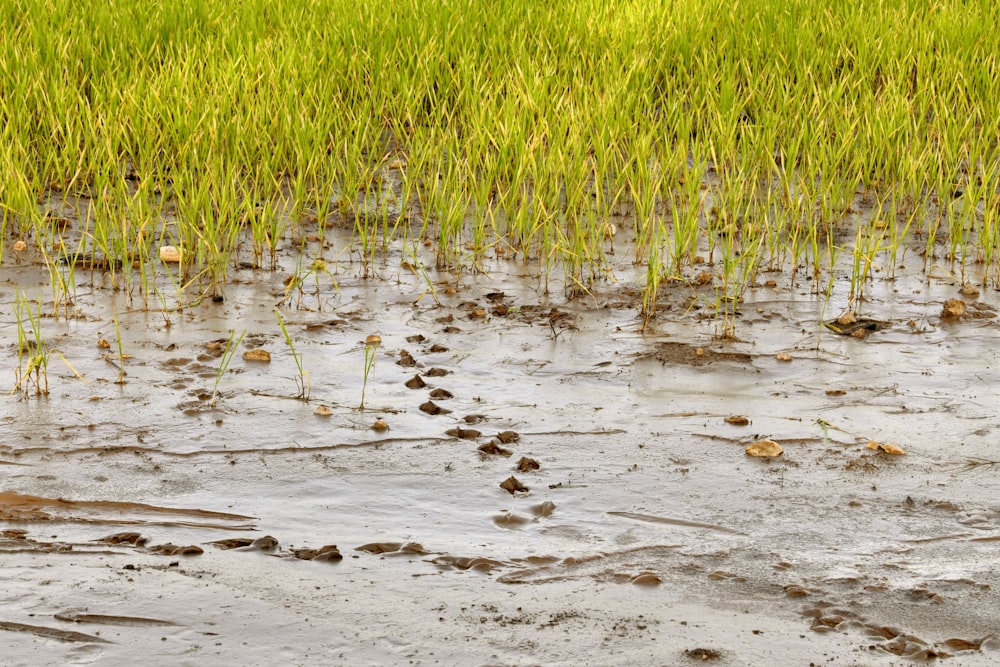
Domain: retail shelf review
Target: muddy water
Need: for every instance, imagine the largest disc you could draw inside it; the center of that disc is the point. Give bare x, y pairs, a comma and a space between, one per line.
135, 513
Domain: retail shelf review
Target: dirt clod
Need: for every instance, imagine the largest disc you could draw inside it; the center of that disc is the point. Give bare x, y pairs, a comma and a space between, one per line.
266, 543
702, 654
508, 437
969, 289
133, 538
676, 352
953, 308
512, 486
415, 382
491, 448
432, 408
737, 420
886, 447
526, 464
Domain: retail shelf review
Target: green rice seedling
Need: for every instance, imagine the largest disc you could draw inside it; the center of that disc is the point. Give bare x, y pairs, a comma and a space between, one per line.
121, 352
302, 380
32, 350
415, 265
227, 356
60, 265
871, 240
316, 269
654, 273
372, 344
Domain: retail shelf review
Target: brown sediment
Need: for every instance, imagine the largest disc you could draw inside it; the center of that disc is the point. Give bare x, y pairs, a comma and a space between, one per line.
116, 449
676, 352
104, 619
51, 633
19, 507
650, 518
599, 565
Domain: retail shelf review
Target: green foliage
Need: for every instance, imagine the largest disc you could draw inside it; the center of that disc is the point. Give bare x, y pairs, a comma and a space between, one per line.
733, 126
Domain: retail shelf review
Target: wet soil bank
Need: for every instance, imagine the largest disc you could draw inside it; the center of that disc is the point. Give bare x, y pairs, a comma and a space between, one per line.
547, 484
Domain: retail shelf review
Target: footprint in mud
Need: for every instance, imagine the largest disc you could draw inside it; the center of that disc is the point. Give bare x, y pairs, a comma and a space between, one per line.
266, 543
826, 618
508, 519
394, 548
328, 553
170, 549
232, 543
135, 539
463, 433
466, 563
511, 520
271, 546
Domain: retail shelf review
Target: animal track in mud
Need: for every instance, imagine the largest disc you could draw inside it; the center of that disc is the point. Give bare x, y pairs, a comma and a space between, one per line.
826, 618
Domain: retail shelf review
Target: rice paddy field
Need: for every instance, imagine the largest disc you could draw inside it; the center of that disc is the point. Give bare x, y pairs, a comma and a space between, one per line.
321, 272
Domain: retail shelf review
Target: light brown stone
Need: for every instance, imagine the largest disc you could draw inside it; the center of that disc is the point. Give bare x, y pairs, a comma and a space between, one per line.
764, 449
257, 354
170, 254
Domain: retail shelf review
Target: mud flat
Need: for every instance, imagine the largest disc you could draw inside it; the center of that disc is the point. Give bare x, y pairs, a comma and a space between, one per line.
548, 485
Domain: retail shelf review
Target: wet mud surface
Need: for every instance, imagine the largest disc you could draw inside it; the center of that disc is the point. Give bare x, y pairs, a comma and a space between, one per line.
533, 480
